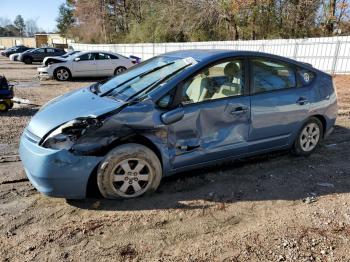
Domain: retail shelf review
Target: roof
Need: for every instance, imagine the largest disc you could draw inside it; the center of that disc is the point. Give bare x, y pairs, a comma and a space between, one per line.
214, 54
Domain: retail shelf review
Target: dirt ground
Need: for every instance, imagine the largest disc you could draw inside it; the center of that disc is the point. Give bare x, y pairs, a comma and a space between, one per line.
268, 208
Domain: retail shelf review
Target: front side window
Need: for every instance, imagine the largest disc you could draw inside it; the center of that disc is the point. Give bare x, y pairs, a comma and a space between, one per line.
87, 57
270, 75
218, 81
50, 50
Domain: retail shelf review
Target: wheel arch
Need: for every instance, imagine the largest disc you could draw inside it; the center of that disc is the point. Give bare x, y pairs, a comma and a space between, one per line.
323, 121
64, 67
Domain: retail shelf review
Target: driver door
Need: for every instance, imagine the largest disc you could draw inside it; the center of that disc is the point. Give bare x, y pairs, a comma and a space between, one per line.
216, 117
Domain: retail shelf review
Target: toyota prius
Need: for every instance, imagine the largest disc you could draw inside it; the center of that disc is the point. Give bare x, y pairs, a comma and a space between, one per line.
175, 112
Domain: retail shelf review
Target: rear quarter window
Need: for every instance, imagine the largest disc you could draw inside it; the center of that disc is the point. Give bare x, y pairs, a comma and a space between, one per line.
305, 77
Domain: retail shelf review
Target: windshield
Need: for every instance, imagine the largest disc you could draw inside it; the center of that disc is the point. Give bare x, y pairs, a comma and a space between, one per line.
70, 54
140, 78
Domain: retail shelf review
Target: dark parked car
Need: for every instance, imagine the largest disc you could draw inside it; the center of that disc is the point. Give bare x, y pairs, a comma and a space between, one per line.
15, 49
38, 54
175, 112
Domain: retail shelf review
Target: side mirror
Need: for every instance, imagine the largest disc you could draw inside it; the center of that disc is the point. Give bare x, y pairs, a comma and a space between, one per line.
165, 101
173, 116
77, 59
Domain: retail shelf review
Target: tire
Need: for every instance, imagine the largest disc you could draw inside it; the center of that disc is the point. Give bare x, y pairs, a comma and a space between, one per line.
9, 103
4, 107
309, 138
119, 70
28, 60
62, 74
129, 171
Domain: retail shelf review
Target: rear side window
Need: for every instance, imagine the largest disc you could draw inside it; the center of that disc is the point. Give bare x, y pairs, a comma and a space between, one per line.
270, 75
103, 56
305, 76
50, 50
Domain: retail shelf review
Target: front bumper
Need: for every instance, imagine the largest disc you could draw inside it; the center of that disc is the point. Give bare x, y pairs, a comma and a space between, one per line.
56, 173
44, 71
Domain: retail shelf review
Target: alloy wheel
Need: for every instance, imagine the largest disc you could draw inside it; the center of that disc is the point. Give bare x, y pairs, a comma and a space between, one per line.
119, 70
131, 177
309, 137
62, 74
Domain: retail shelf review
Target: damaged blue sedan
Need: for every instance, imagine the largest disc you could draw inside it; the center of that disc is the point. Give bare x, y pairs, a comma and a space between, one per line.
175, 112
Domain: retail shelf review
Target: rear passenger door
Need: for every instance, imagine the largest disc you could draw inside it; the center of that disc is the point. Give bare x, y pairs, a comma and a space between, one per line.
278, 105
105, 64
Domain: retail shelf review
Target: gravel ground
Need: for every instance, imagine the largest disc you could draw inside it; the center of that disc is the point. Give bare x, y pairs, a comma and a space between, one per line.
268, 208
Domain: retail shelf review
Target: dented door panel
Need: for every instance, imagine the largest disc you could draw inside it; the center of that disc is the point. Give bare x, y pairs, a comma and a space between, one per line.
209, 131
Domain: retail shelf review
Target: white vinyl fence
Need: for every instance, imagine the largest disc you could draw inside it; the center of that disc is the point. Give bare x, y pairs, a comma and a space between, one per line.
329, 54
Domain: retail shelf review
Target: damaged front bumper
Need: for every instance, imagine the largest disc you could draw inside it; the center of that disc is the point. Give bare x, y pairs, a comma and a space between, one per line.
56, 173
44, 72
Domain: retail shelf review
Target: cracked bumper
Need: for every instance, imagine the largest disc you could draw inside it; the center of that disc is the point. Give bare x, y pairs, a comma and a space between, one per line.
56, 173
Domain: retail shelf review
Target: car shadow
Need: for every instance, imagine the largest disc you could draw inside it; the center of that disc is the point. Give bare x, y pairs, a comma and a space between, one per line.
89, 79
20, 112
276, 176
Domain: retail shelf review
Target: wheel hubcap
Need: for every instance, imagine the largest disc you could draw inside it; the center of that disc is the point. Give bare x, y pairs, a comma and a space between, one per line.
62, 74
2, 107
309, 137
131, 177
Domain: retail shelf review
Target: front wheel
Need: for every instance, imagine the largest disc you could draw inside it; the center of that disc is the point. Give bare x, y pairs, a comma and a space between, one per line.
308, 138
62, 74
129, 171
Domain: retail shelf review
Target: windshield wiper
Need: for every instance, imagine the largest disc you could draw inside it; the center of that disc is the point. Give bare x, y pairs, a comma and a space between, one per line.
140, 76
151, 86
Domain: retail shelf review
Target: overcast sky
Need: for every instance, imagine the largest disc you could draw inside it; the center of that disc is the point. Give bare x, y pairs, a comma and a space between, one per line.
44, 11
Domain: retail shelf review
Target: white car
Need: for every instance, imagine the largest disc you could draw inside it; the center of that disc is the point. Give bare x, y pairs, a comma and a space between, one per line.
15, 56
87, 64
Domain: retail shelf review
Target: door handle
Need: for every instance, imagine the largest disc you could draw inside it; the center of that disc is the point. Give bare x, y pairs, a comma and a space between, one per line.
239, 110
302, 101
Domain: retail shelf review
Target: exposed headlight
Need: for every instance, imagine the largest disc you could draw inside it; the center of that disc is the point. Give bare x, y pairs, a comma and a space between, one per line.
65, 136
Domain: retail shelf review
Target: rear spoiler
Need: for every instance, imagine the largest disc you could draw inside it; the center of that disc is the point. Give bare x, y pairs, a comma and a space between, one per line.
135, 59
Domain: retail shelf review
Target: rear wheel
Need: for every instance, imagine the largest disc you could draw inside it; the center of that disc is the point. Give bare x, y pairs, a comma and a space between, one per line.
119, 70
28, 60
62, 74
308, 138
129, 171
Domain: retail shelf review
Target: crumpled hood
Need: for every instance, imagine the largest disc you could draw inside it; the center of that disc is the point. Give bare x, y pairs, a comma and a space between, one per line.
79, 103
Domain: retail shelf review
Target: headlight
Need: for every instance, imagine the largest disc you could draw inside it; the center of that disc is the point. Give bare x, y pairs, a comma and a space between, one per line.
65, 136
